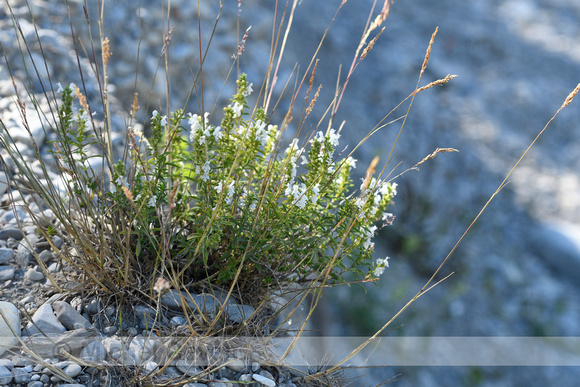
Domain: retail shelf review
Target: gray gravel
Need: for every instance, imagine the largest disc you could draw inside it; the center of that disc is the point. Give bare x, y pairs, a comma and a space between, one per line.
516, 61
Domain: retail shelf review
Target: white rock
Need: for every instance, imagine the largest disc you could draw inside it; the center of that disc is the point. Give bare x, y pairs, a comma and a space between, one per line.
33, 275
45, 320
6, 272
73, 370
5, 375
9, 318
264, 380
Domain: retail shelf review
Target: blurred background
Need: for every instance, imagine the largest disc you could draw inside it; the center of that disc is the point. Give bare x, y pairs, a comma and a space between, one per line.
517, 273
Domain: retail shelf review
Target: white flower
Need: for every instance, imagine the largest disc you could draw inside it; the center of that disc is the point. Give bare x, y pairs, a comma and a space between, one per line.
387, 216
303, 160
394, 189
154, 114
261, 133
381, 265
379, 270
248, 89
164, 121
201, 140
351, 162
237, 108
333, 137
152, 201
60, 89
205, 168
315, 192
230, 194
298, 193
367, 244
219, 187
217, 132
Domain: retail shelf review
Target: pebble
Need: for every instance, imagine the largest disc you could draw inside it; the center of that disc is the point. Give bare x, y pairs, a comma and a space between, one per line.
143, 347
57, 241
69, 317
264, 380
54, 267
187, 368
45, 320
23, 255
33, 274
177, 321
26, 300
9, 326
94, 351
73, 370
5, 375
6, 273
45, 256
94, 306
22, 375
11, 232
7, 363
237, 365
6, 255
36, 384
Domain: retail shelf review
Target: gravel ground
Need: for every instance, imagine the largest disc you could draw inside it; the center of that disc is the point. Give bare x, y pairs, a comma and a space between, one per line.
516, 62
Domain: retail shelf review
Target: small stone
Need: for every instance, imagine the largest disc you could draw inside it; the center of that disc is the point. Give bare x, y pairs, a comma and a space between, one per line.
57, 241
33, 275
26, 300
110, 330
187, 368
73, 370
54, 267
7, 363
11, 233
44, 320
94, 306
23, 256
6, 273
68, 316
6, 255
246, 378
143, 348
255, 366
264, 380
151, 366
94, 351
5, 375
110, 311
9, 326
237, 365
178, 320
37, 383
21, 375
266, 374
238, 313
45, 256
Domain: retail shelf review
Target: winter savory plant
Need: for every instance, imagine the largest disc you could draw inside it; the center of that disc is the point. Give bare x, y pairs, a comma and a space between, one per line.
226, 203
